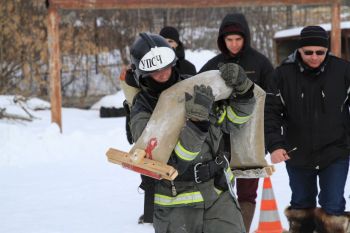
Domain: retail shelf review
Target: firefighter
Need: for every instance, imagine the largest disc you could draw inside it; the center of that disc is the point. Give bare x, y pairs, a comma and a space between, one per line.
201, 198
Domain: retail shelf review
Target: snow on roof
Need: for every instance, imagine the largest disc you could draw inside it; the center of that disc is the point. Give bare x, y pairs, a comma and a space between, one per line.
296, 31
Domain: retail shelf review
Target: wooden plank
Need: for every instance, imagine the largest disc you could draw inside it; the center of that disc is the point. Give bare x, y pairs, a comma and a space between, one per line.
138, 163
336, 31
54, 66
137, 4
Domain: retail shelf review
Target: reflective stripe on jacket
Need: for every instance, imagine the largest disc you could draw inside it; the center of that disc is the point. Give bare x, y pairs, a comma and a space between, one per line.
184, 154
181, 199
235, 118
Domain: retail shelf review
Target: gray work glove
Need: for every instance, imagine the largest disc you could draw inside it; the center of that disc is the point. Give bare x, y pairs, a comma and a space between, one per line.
235, 77
199, 105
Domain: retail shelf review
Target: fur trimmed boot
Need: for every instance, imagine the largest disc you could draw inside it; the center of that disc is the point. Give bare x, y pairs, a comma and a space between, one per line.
300, 220
326, 223
248, 210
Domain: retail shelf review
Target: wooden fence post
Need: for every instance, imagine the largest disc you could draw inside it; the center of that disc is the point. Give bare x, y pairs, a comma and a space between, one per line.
336, 30
54, 66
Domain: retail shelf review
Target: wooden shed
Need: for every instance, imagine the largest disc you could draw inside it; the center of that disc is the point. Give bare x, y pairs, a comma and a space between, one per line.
286, 41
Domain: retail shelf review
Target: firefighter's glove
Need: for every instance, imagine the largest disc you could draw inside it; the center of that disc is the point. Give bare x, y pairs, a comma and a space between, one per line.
199, 105
236, 78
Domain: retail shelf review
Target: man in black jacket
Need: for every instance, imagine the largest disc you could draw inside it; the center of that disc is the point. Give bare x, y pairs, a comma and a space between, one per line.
234, 44
172, 36
307, 112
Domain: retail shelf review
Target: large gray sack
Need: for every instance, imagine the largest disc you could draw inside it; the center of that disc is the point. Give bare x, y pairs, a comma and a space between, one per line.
163, 129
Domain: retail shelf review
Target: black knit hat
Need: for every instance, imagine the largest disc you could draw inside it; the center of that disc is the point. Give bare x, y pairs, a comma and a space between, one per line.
313, 36
233, 29
170, 33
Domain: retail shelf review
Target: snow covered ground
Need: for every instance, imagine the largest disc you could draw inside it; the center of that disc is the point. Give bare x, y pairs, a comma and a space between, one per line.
62, 183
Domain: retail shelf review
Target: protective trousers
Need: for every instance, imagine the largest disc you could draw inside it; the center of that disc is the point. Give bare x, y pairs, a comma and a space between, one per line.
224, 216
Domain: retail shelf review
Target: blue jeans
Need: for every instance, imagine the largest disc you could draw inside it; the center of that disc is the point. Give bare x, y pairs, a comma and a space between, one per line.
332, 179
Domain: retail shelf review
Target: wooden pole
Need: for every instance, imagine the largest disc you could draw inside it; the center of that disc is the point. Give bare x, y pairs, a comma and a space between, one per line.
54, 66
137, 4
336, 30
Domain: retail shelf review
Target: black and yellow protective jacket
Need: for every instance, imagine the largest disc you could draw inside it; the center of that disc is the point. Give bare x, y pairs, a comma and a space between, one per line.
197, 147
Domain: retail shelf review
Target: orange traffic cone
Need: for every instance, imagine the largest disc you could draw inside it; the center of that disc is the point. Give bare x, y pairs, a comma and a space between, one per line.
269, 221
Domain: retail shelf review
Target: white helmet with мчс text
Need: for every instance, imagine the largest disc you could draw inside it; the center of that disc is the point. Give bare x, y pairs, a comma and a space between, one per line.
150, 53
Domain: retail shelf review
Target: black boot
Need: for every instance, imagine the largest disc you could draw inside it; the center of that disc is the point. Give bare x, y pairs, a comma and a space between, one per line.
147, 185
141, 220
300, 220
326, 223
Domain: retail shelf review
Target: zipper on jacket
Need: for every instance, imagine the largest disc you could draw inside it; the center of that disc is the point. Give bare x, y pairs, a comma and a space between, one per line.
173, 189
302, 96
323, 100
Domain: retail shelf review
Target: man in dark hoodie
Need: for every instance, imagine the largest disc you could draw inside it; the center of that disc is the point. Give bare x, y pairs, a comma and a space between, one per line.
234, 44
172, 36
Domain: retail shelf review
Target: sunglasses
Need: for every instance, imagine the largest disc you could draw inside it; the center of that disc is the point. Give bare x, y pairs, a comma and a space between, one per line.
311, 52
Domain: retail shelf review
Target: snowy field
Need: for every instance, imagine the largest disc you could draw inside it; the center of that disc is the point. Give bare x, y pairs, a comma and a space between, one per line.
62, 183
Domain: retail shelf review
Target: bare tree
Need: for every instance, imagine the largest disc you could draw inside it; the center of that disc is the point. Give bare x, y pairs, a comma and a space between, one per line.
22, 44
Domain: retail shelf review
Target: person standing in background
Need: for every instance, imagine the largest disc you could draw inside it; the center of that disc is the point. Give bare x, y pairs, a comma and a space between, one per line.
172, 36
234, 44
309, 99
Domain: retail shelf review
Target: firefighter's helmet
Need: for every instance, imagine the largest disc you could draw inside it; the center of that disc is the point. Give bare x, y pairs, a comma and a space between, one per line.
150, 53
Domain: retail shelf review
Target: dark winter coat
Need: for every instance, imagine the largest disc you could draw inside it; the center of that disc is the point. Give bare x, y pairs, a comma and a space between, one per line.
257, 67
310, 105
183, 65
255, 64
